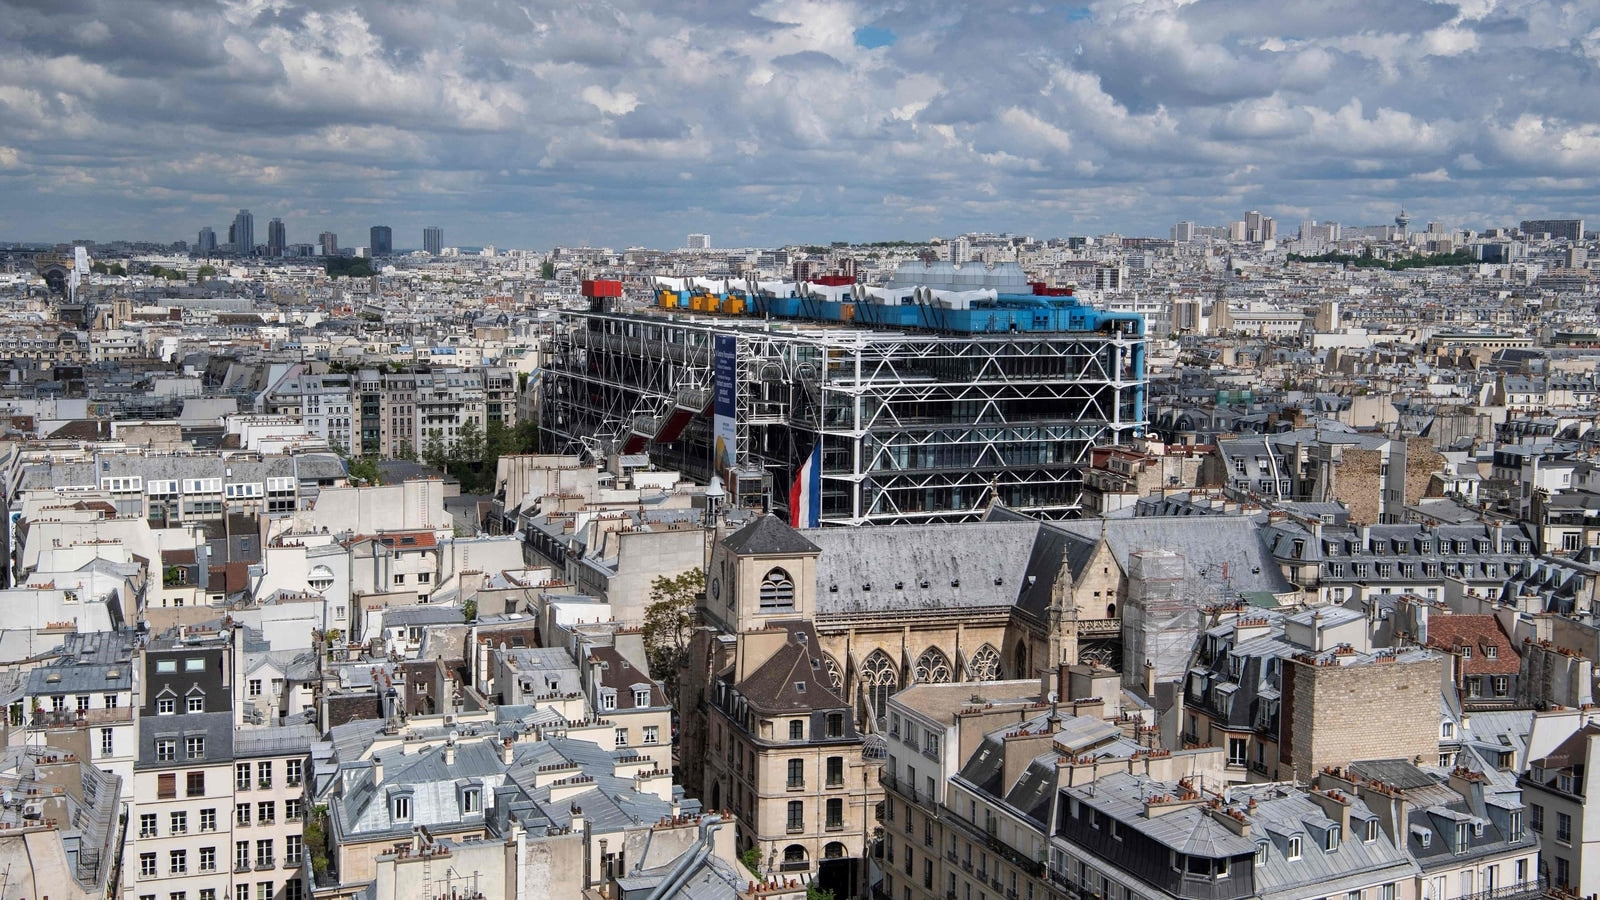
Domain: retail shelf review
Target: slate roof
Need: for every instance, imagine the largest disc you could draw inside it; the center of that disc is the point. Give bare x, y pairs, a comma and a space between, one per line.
216, 728
768, 535
1052, 549
1234, 541
934, 567
774, 686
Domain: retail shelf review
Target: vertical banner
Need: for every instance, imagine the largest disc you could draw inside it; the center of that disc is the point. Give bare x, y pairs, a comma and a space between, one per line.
724, 410
805, 495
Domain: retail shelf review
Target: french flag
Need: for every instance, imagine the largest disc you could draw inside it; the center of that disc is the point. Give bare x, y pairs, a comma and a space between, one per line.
805, 495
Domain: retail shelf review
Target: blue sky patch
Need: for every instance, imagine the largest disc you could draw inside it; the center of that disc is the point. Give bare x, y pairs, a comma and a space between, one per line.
872, 37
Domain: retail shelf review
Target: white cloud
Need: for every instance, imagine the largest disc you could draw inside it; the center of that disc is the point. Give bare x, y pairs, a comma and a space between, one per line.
615, 116
615, 104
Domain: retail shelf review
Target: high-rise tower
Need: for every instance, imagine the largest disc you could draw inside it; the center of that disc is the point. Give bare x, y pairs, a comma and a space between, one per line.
277, 237
433, 240
382, 243
244, 233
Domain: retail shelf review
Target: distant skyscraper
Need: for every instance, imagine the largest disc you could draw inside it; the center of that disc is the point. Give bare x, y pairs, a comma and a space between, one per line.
699, 242
329, 242
433, 240
207, 242
1571, 229
382, 243
1183, 233
277, 237
244, 233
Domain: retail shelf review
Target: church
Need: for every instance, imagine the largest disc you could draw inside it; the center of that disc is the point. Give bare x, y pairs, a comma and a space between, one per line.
806, 633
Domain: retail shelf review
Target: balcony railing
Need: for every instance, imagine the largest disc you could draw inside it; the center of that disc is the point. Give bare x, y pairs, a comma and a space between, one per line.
74, 718
1523, 890
909, 791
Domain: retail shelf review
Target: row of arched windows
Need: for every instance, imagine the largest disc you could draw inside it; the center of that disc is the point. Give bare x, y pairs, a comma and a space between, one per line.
880, 677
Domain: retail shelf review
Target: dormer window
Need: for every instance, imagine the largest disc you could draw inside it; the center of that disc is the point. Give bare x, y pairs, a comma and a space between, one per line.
1261, 853
1372, 830
471, 799
641, 698
1294, 847
608, 699
400, 807
1330, 841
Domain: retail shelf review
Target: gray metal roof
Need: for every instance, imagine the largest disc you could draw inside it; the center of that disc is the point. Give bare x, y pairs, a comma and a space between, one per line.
980, 564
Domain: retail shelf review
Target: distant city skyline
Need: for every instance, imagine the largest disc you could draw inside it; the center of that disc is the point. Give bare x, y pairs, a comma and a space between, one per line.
808, 123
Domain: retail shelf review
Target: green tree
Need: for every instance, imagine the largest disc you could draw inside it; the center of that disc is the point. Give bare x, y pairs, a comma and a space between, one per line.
434, 451
526, 434
316, 835
669, 623
547, 270
116, 269
206, 272
469, 442
466, 458
470, 610
365, 469
99, 268
752, 860
815, 893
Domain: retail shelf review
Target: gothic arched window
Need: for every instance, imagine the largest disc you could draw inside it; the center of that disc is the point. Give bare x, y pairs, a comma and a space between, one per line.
933, 667
985, 665
880, 679
835, 677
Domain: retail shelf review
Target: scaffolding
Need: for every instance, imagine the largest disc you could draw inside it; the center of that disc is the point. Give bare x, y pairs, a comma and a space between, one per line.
1161, 617
913, 426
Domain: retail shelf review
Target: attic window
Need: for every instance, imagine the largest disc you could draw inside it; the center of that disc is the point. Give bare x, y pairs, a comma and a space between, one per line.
866, 586
799, 687
899, 585
113, 674
955, 582
924, 583
999, 580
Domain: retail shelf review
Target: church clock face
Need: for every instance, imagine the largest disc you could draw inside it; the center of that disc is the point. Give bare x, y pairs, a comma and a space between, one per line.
716, 588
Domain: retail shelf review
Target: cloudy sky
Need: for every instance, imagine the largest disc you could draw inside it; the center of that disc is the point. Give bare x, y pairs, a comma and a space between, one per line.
528, 124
